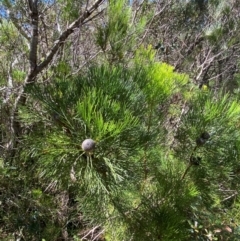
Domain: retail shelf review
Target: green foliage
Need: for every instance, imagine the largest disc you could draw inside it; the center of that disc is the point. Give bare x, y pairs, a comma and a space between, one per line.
218, 115
18, 76
165, 165
70, 9
117, 34
205, 114
164, 203
161, 80
115, 107
149, 189
9, 38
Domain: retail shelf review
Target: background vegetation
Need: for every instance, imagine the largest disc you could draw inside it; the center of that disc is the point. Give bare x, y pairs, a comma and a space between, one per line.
155, 84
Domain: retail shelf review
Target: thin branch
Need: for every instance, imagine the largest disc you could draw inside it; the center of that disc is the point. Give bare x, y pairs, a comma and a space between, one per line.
58, 25
76, 24
44, 30
136, 12
190, 164
90, 19
156, 13
206, 63
91, 232
229, 197
98, 235
92, 57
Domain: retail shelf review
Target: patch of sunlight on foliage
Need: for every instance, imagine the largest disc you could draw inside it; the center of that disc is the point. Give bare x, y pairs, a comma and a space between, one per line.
97, 110
161, 80
36, 193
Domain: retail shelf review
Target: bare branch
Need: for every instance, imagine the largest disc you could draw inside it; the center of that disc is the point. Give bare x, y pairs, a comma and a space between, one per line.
33, 5
156, 13
229, 197
76, 24
92, 57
